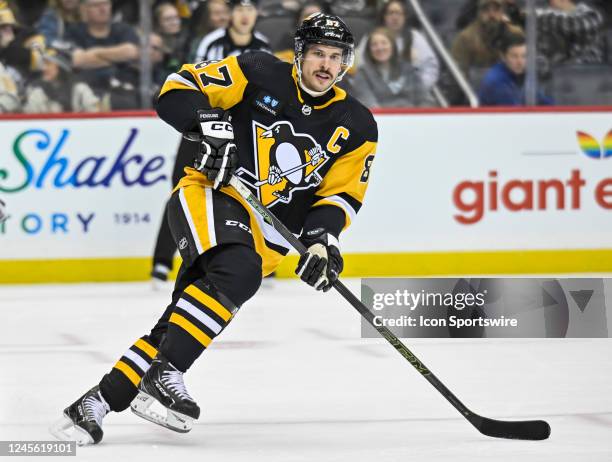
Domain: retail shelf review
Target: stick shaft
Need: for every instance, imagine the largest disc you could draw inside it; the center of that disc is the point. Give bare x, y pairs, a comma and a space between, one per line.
525, 430
246, 193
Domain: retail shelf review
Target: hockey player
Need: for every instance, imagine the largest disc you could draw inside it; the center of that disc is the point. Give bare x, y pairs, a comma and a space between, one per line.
239, 104
240, 37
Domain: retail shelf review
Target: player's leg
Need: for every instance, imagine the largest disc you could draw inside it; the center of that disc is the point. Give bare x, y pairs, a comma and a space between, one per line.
231, 274
165, 247
213, 235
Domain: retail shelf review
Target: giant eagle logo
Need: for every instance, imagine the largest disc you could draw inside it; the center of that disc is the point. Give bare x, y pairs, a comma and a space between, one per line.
285, 161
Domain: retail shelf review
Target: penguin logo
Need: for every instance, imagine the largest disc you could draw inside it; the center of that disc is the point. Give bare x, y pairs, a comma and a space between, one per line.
285, 161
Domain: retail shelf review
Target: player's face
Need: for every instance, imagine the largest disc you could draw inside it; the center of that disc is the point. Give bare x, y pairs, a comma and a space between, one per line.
381, 48
516, 59
243, 18
320, 66
395, 17
218, 14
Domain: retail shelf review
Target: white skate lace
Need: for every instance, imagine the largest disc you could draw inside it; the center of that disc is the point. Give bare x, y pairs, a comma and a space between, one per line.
95, 409
174, 381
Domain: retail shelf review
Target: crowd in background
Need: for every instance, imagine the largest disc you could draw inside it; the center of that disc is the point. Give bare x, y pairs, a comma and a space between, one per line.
85, 55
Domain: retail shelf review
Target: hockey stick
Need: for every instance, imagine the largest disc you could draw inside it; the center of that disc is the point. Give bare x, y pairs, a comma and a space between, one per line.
521, 430
283, 174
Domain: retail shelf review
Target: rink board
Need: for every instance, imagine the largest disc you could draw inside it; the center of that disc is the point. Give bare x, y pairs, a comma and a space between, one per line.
451, 192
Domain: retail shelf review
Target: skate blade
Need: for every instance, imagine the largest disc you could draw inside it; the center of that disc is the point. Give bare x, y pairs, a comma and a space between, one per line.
65, 430
142, 407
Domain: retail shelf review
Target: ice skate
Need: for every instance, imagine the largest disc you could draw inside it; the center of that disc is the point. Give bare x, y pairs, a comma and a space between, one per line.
82, 420
163, 398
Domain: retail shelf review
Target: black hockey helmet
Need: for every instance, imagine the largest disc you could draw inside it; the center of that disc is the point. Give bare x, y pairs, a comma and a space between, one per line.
326, 29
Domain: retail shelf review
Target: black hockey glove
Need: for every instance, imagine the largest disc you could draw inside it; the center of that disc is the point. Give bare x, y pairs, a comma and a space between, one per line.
321, 265
218, 156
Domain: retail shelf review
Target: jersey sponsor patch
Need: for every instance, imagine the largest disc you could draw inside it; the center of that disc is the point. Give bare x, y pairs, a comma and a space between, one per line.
285, 161
268, 104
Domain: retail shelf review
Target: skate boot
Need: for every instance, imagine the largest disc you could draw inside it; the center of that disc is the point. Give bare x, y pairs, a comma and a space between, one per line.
82, 421
163, 385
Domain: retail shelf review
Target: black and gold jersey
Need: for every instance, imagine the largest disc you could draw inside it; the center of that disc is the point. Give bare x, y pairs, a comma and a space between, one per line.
304, 156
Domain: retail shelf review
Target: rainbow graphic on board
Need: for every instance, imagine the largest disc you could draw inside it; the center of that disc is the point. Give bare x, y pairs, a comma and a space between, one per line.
591, 147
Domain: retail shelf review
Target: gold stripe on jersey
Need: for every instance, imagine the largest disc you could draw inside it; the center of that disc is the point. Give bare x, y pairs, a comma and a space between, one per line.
345, 175
223, 82
197, 207
191, 328
196, 183
209, 302
339, 93
150, 351
130, 373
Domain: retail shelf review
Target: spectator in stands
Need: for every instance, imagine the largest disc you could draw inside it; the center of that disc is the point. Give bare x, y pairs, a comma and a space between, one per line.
477, 46
29, 12
286, 48
104, 51
352, 7
569, 32
411, 44
21, 47
504, 84
210, 15
384, 79
9, 94
162, 67
239, 37
57, 90
469, 12
55, 19
169, 28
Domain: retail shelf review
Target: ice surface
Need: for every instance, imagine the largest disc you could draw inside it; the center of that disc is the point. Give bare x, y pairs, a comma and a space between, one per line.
291, 380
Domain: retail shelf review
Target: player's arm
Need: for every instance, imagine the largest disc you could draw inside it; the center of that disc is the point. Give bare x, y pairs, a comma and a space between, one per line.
206, 85
337, 201
196, 99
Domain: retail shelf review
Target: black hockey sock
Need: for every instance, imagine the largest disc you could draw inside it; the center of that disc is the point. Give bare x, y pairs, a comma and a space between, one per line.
199, 315
120, 386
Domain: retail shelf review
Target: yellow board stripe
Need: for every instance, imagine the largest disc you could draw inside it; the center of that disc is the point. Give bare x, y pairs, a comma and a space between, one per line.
129, 372
191, 328
209, 302
467, 263
356, 265
144, 346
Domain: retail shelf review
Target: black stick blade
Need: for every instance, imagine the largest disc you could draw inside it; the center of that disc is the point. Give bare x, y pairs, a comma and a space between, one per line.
522, 430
